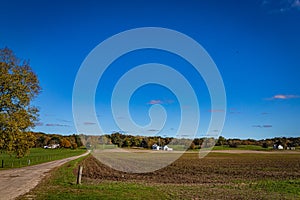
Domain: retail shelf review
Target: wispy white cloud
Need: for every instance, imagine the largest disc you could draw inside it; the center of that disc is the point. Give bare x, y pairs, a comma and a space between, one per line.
63, 120
296, 4
283, 97
159, 101
281, 6
256, 126
267, 126
263, 126
60, 125
39, 124
155, 101
89, 123
264, 113
153, 130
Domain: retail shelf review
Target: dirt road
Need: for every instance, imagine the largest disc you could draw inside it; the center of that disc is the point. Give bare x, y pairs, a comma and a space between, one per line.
16, 182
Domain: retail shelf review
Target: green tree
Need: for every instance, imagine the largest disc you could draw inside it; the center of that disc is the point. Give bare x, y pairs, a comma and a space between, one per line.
127, 142
221, 141
117, 138
77, 140
136, 141
18, 86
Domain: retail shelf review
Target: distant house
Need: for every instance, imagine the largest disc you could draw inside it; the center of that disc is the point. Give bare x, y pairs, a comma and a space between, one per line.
291, 148
52, 146
155, 147
280, 147
166, 148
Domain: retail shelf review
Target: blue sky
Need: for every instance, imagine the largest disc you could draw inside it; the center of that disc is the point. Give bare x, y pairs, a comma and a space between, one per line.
255, 45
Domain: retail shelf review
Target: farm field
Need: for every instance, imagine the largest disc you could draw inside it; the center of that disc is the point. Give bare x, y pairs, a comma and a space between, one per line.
249, 147
217, 176
37, 156
242, 147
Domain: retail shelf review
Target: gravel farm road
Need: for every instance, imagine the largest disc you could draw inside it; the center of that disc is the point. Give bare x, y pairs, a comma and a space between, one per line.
18, 181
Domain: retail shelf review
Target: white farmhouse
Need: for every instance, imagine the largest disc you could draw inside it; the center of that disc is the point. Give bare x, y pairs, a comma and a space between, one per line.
166, 148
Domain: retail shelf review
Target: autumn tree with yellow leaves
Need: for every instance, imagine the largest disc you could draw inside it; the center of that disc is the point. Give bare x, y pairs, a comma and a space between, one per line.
19, 85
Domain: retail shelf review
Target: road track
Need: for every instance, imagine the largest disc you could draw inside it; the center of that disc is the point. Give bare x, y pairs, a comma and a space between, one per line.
19, 181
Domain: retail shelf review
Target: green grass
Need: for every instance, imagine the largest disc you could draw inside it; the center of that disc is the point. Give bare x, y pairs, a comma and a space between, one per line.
102, 191
37, 156
284, 187
242, 147
106, 146
177, 147
62, 185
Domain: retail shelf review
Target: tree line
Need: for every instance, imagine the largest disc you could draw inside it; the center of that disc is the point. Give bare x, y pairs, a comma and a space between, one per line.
265, 143
70, 141
125, 140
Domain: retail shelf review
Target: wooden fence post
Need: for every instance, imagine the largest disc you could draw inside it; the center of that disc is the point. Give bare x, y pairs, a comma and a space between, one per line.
79, 175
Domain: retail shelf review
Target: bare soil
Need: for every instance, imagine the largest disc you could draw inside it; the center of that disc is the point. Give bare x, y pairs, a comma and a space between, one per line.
216, 168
